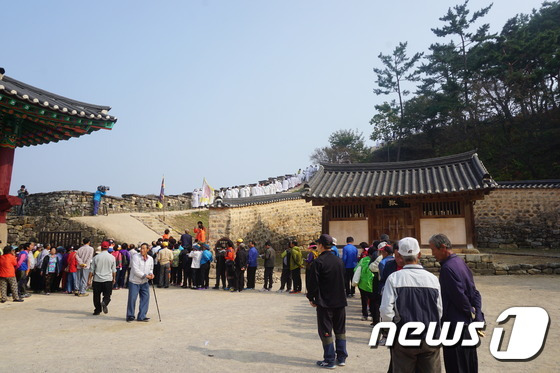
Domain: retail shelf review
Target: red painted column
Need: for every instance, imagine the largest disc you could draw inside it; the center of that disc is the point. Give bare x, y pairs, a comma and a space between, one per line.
6, 166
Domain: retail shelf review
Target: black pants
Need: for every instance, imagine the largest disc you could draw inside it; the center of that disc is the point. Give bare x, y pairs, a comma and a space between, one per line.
251, 272
458, 358
205, 272
22, 282
348, 274
187, 276
331, 320
230, 270
220, 273
296, 279
175, 271
240, 279
286, 279
268, 277
196, 277
101, 287
367, 299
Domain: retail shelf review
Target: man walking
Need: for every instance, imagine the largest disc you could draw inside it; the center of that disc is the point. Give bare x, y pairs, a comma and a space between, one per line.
141, 271
350, 259
461, 303
412, 295
326, 292
253, 255
269, 261
103, 273
84, 256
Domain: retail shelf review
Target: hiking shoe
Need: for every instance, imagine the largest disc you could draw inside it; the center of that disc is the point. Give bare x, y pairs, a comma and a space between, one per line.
341, 363
145, 319
17, 300
130, 319
104, 307
95, 313
324, 364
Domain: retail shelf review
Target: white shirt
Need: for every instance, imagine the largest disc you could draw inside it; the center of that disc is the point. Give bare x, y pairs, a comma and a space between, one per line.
195, 255
140, 268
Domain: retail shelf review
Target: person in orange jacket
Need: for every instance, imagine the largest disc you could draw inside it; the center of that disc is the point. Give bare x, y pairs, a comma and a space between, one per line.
200, 233
230, 268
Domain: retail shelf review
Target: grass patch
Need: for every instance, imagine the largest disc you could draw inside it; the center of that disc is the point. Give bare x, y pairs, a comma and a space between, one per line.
187, 220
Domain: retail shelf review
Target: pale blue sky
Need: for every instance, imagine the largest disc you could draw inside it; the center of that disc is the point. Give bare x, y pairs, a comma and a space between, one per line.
234, 91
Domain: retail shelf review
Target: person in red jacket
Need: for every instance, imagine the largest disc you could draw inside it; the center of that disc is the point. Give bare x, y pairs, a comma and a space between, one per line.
71, 271
8, 265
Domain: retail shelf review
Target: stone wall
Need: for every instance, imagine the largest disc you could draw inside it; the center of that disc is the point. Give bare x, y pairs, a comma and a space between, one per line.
77, 203
27, 228
519, 218
277, 222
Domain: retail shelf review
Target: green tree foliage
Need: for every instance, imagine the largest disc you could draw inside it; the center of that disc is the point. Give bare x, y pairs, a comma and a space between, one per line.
398, 68
346, 146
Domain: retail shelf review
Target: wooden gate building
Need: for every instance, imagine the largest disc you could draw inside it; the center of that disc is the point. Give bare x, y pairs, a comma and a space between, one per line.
402, 199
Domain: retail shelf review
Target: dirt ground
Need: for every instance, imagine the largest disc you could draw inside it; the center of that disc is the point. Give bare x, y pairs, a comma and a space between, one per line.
218, 331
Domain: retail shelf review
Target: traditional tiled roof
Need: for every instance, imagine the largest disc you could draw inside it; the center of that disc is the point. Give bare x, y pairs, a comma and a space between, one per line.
32, 116
451, 174
258, 200
529, 184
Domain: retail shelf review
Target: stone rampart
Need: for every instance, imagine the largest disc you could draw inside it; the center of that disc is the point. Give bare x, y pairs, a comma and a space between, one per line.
27, 228
78, 203
519, 218
277, 222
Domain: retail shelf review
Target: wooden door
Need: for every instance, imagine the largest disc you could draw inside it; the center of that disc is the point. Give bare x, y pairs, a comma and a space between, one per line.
397, 223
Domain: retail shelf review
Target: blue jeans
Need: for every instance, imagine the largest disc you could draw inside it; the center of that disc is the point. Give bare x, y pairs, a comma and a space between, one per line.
95, 207
133, 291
71, 283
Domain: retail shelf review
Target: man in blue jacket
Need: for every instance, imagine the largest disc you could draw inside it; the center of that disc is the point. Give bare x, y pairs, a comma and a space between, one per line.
205, 260
252, 265
350, 259
461, 302
100, 192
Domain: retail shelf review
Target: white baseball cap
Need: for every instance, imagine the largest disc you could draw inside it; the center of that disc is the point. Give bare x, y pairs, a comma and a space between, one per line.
409, 246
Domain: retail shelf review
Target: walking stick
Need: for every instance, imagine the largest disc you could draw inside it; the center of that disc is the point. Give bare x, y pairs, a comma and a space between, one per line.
155, 297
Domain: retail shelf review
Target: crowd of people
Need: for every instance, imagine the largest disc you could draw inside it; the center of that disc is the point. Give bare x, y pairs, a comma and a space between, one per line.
392, 284
272, 186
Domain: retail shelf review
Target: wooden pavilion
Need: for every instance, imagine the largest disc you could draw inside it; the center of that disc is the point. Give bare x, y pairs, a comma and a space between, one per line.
32, 116
402, 199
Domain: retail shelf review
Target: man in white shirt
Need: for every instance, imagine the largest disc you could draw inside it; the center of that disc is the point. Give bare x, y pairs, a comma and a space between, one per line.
195, 265
141, 271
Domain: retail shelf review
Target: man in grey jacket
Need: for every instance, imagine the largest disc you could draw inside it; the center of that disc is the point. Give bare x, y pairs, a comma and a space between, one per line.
269, 257
84, 256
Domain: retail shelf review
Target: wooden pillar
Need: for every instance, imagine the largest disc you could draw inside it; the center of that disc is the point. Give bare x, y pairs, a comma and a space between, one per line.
6, 166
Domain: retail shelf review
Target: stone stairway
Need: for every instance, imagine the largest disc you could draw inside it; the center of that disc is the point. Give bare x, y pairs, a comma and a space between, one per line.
157, 225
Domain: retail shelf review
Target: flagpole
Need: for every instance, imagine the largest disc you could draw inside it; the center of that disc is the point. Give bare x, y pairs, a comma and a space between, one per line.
163, 196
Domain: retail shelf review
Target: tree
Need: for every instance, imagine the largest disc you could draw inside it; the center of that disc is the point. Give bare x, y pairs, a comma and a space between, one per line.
346, 146
398, 68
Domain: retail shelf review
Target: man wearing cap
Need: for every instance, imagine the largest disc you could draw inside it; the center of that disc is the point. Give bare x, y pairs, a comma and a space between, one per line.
141, 271
103, 272
461, 303
412, 295
326, 292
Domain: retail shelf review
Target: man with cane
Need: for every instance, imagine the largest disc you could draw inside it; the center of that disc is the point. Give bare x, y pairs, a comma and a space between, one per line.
141, 271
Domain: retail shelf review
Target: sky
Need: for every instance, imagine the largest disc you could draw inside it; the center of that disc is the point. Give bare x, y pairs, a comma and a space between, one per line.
233, 91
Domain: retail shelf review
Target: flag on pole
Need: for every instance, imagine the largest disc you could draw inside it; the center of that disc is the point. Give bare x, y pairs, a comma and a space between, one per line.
207, 194
161, 193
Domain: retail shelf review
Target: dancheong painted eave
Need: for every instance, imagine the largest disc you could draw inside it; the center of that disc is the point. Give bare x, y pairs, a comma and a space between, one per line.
33, 116
435, 176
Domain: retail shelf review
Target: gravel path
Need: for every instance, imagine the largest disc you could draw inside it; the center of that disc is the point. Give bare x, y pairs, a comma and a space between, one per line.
218, 331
